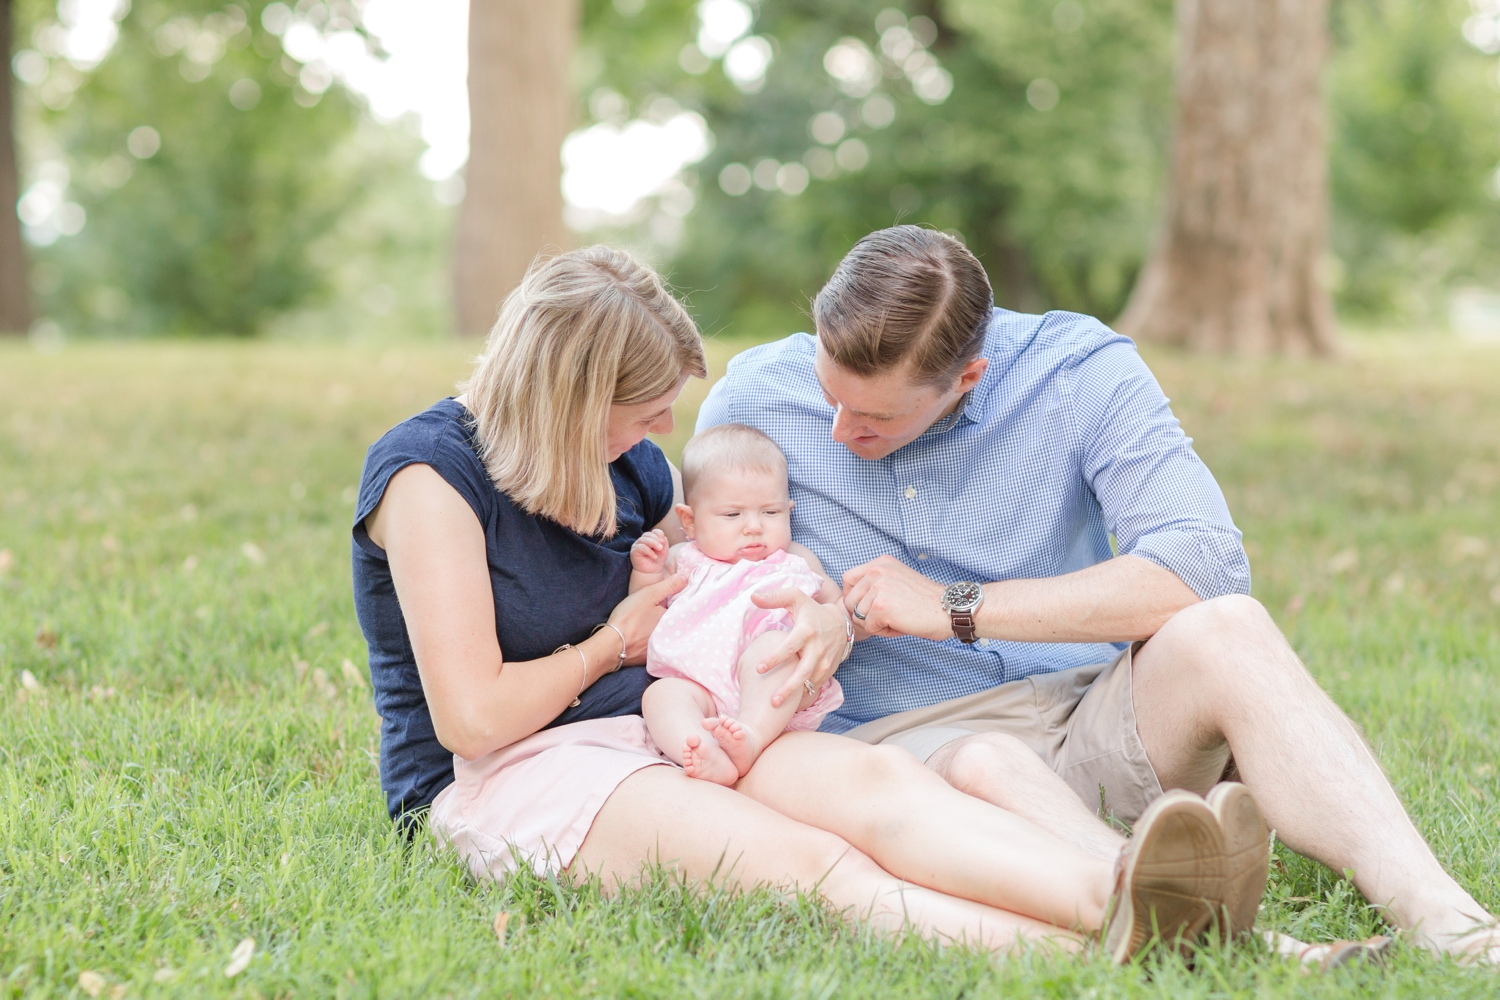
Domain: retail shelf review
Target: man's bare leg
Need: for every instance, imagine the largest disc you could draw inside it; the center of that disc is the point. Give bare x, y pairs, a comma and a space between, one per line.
1005, 772
1219, 678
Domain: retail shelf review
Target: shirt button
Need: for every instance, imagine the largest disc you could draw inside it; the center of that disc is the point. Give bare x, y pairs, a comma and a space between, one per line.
921, 555
984, 644
911, 492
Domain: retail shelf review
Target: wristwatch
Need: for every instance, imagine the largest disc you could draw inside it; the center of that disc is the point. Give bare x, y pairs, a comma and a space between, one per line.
962, 601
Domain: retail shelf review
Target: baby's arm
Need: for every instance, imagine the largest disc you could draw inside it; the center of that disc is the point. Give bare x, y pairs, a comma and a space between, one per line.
650, 559
828, 591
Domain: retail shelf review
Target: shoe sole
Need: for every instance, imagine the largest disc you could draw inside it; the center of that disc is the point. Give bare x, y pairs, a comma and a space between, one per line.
1172, 877
1247, 856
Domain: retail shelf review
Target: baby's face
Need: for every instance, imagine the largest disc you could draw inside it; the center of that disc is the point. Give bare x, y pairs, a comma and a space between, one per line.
740, 515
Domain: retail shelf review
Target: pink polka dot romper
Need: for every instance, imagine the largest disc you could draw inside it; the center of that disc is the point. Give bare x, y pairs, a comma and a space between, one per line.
709, 623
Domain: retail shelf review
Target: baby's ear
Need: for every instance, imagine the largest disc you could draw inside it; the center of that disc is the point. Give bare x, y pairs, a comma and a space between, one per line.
685, 518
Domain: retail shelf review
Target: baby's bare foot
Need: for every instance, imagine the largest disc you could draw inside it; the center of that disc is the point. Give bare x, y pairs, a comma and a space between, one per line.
705, 759
740, 743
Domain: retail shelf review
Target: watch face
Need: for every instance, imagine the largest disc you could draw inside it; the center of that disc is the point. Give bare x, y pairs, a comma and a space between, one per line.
962, 597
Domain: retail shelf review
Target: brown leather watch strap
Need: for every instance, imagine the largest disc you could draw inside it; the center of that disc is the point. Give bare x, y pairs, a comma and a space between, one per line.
963, 626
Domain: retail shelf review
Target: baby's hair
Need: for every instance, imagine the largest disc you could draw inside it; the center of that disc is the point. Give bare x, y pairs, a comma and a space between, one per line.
729, 446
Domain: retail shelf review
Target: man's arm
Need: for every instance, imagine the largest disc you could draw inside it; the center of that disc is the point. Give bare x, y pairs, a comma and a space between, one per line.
1177, 542
1121, 600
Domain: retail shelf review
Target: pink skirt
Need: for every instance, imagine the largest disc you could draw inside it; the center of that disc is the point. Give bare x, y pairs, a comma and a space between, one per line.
534, 801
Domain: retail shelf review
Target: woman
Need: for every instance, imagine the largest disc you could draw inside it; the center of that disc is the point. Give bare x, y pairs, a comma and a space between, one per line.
491, 569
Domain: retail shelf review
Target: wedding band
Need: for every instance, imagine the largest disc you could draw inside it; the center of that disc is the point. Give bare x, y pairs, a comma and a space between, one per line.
807, 685
856, 614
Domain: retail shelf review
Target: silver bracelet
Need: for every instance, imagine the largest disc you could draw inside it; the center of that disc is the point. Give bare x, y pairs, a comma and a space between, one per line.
583, 683
617, 632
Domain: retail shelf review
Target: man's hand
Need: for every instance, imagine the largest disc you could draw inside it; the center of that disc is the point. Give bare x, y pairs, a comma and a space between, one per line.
649, 553
896, 600
816, 641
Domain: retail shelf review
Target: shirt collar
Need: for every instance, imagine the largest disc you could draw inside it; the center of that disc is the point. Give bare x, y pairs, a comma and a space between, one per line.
971, 408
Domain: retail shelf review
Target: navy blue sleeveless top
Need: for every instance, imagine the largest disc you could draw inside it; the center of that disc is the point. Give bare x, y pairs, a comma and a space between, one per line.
551, 585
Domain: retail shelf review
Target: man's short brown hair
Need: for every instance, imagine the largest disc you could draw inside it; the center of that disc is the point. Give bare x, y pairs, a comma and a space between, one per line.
905, 296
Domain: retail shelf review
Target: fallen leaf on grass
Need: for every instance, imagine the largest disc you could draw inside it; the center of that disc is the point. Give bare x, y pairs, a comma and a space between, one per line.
323, 684
91, 982
351, 674
316, 630
46, 638
29, 681
164, 975
239, 959
6, 561
502, 921
110, 544
1344, 561
254, 553
189, 564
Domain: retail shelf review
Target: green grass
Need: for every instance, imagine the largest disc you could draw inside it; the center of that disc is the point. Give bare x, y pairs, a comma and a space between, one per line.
196, 767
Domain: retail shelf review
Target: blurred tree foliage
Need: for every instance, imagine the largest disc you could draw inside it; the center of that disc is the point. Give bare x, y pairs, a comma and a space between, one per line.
1035, 128
1416, 139
221, 195
1048, 154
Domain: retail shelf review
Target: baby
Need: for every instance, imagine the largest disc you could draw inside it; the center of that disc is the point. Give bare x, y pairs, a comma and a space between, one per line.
711, 711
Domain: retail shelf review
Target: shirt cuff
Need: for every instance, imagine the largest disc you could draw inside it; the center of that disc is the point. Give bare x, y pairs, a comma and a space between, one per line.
1211, 562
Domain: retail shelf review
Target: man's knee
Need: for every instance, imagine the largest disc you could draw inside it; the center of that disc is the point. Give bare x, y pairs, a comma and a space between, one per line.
976, 763
1210, 642
1230, 618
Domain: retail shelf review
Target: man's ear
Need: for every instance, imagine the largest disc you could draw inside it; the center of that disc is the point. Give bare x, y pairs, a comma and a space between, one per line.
970, 376
685, 518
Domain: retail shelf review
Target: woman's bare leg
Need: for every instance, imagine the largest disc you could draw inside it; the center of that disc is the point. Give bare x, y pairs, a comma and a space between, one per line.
710, 832
918, 827
675, 710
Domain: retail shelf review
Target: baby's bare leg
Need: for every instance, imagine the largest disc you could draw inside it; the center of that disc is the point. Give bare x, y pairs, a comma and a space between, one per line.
759, 722
677, 711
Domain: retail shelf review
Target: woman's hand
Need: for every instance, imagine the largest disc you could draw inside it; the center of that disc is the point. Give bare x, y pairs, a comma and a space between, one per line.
817, 640
638, 614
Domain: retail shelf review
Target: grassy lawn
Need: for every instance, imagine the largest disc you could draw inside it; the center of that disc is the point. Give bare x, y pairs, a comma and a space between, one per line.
185, 760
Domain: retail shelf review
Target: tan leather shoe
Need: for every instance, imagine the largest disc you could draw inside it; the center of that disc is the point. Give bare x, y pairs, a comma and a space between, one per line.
1247, 855
1170, 879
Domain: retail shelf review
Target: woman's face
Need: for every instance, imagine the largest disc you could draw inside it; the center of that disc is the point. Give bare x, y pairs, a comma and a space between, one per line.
628, 424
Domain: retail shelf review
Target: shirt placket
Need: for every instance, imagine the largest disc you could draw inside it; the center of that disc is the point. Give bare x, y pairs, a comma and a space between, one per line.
915, 498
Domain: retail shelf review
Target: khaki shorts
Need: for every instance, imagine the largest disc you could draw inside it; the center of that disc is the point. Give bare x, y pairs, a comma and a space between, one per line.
1081, 722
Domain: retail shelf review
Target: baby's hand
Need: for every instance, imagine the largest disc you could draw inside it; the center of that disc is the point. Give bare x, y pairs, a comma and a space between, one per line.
649, 553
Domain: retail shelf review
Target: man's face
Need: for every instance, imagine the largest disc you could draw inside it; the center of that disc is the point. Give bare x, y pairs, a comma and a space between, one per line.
876, 415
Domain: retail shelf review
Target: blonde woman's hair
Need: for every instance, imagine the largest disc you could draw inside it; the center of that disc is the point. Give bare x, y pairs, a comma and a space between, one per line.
729, 447
585, 329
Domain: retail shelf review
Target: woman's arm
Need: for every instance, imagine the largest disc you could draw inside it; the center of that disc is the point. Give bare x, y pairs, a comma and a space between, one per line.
479, 703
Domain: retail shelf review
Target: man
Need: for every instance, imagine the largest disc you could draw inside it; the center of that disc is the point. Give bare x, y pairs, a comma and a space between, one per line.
1014, 510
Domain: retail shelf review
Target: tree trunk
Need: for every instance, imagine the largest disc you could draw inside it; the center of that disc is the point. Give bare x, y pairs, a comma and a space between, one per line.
520, 107
1236, 267
15, 306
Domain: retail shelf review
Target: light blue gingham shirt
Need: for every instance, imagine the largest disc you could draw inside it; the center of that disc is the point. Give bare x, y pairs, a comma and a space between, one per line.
1065, 441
